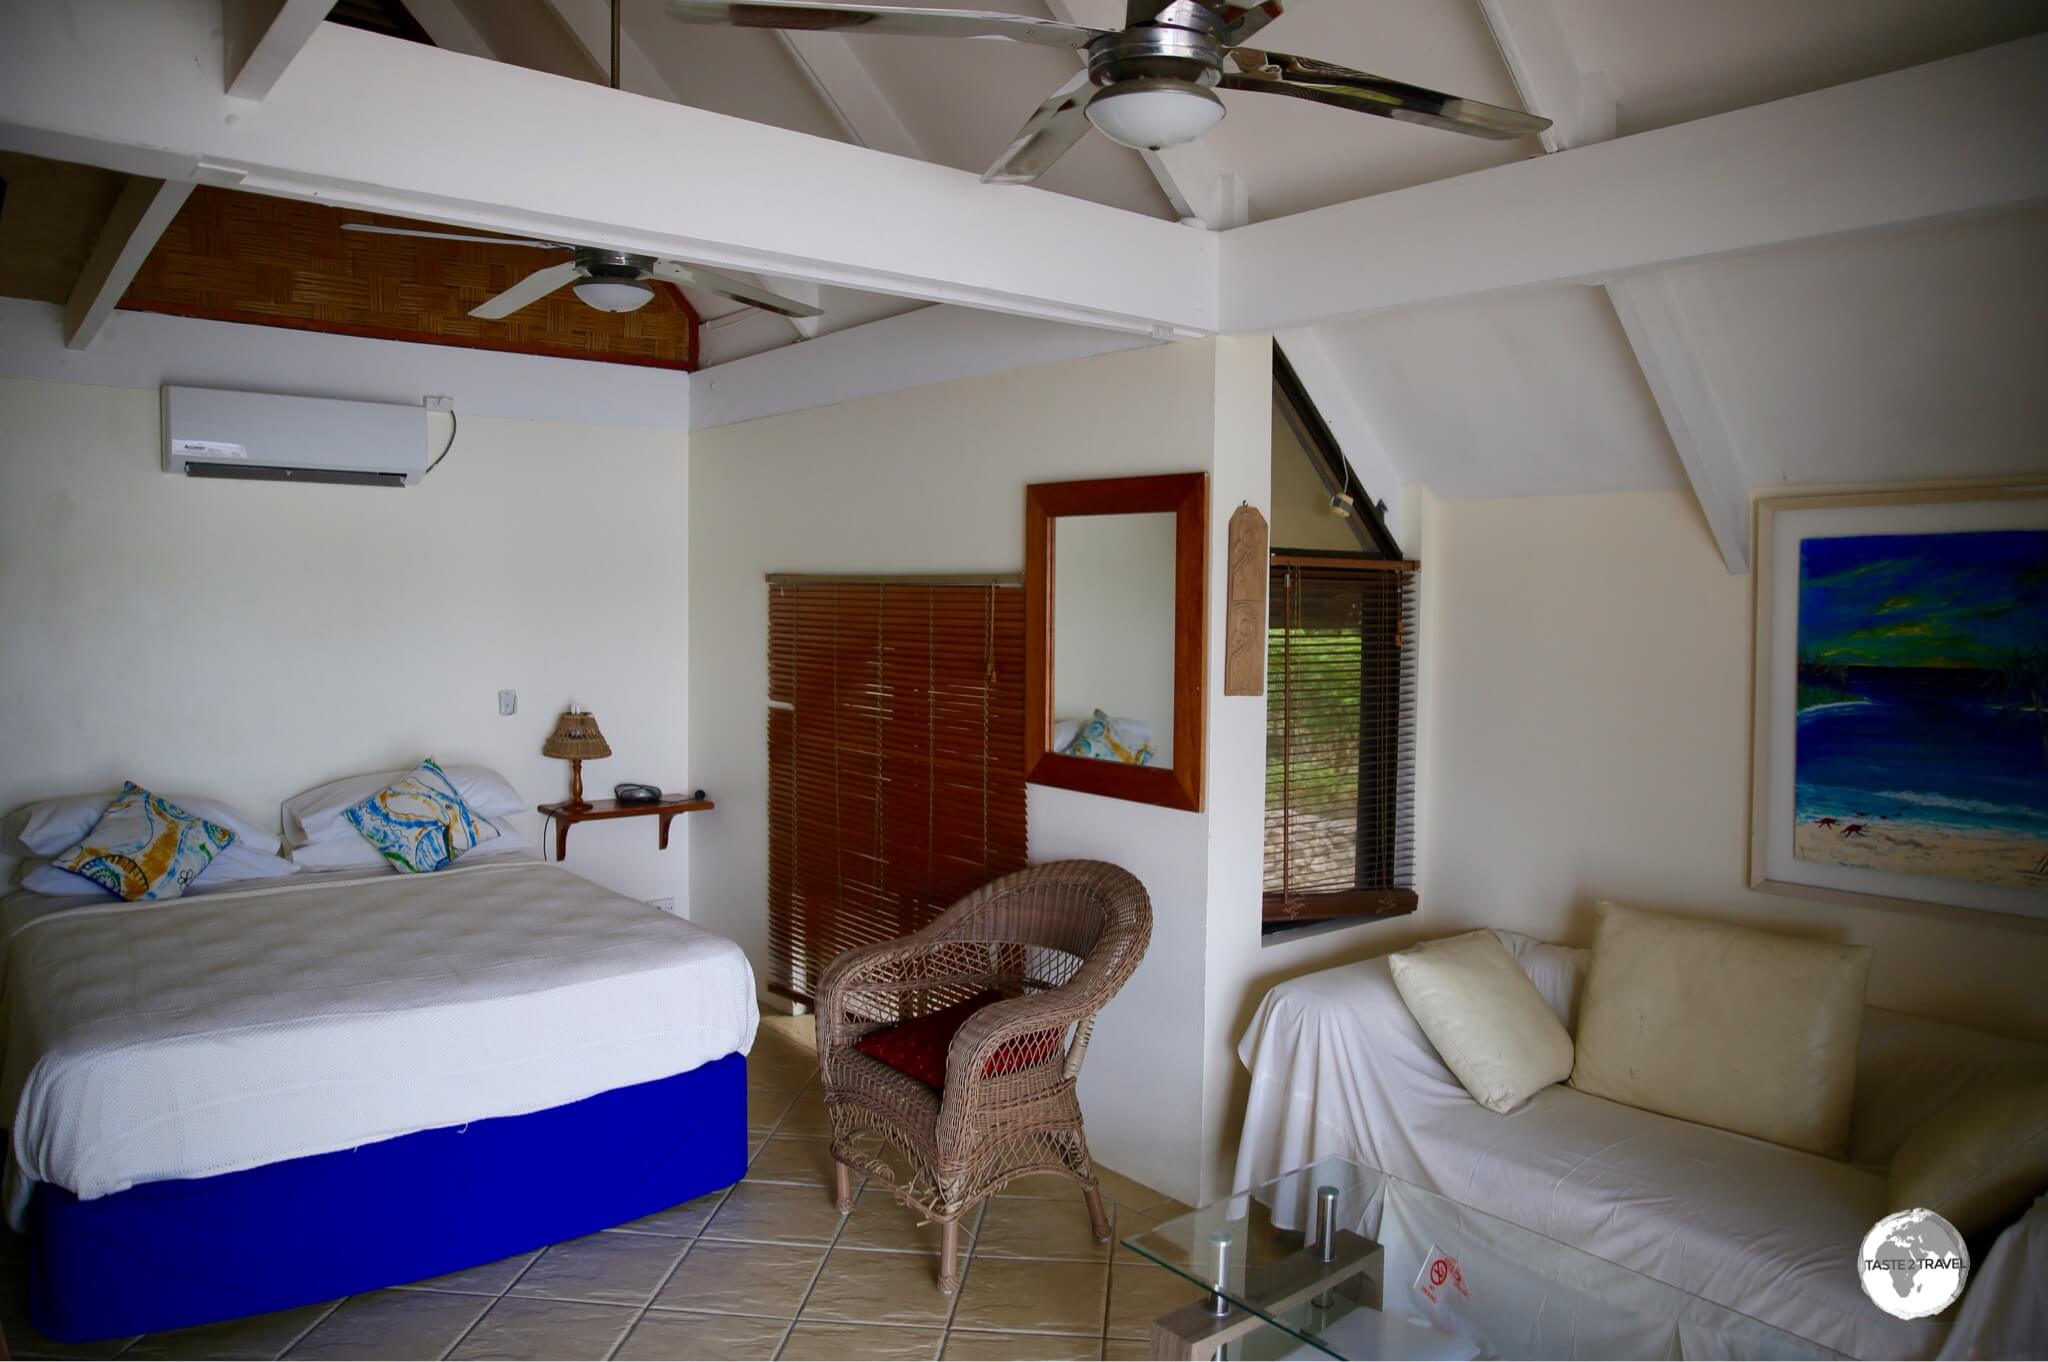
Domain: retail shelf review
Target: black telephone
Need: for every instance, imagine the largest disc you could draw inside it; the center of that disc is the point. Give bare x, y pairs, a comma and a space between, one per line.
637, 794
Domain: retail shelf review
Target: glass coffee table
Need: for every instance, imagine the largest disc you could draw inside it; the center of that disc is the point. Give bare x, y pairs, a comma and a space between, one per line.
1398, 1271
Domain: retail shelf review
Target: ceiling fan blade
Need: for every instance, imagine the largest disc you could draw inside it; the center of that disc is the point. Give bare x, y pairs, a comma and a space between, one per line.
1047, 135
457, 236
891, 19
1276, 73
1243, 21
531, 289
696, 276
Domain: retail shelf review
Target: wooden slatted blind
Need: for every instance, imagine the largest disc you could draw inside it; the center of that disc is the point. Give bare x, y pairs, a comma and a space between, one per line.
895, 759
1340, 738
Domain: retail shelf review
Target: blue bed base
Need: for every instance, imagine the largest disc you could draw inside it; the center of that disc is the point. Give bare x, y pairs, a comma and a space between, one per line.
167, 1254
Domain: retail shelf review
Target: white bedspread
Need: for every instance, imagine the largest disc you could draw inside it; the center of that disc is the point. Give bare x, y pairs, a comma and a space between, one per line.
300, 1016
1339, 1067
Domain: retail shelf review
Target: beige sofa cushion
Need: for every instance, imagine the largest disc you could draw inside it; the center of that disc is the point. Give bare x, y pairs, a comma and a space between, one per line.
1487, 1021
1740, 1029
1980, 1159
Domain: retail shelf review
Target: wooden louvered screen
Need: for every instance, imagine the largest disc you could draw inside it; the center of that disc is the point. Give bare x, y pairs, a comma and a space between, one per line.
895, 759
1340, 738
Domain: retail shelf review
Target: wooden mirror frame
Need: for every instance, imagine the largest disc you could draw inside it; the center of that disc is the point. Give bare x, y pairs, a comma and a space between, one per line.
1186, 496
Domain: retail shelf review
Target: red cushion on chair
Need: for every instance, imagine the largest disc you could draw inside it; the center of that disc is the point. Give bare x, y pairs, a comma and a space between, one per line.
918, 1047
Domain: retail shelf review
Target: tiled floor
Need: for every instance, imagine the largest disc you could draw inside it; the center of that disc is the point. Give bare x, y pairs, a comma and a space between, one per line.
765, 1269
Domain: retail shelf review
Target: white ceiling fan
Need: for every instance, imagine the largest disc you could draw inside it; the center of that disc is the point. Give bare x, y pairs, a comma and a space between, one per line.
1149, 85
610, 281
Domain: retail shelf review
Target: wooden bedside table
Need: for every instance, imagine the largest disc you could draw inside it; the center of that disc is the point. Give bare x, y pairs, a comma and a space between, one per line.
666, 808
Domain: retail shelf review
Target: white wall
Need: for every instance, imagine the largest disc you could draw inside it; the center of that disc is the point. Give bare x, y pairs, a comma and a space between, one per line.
1586, 735
249, 640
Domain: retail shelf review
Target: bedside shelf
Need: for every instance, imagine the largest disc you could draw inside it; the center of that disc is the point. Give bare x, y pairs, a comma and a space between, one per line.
666, 808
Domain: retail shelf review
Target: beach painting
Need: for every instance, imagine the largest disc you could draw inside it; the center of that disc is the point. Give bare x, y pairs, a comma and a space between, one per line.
1921, 739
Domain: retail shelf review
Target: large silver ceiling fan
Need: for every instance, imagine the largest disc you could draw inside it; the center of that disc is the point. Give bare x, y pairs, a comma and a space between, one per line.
1149, 85
610, 281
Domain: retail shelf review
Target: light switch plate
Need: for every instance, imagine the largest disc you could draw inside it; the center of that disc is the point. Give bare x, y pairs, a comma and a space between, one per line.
508, 702
666, 905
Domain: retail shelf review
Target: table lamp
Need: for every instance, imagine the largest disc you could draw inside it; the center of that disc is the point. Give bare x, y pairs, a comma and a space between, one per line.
576, 738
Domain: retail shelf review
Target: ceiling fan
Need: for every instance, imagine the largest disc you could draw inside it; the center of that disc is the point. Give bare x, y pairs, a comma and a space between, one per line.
1150, 84
610, 281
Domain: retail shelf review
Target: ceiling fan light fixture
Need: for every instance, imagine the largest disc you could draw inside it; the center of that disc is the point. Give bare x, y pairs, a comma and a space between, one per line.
1146, 115
614, 295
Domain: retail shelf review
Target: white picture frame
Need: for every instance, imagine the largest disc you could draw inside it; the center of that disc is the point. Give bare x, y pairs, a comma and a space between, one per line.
1781, 524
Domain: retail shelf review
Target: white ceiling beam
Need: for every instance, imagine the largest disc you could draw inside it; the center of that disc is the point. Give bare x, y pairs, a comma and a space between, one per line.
804, 291
449, 27
263, 37
1662, 338
850, 91
590, 23
1532, 43
1199, 190
144, 209
382, 125
1955, 137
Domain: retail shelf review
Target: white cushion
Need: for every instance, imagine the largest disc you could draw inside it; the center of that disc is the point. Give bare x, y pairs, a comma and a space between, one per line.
317, 815
1745, 1030
1982, 1158
1485, 1018
51, 825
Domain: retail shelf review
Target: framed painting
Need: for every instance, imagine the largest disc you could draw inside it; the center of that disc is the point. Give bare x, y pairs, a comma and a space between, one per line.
1901, 713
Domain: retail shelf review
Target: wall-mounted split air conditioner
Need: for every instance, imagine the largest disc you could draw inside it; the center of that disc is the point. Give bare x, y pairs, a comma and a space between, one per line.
214, 433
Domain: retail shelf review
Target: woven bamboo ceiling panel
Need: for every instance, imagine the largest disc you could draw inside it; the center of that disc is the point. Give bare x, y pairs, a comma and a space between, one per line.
237, 257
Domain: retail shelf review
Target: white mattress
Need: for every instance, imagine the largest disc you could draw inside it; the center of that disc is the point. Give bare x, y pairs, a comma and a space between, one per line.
320, 1012
1339, 1068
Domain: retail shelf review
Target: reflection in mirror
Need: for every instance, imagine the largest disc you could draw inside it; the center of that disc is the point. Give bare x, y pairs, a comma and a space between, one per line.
1113, 623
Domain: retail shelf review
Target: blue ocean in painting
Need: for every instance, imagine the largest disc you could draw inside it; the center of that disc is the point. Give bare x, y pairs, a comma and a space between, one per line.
1923, 662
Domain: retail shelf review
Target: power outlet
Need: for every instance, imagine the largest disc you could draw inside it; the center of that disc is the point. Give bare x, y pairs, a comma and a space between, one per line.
508, 702
666, 905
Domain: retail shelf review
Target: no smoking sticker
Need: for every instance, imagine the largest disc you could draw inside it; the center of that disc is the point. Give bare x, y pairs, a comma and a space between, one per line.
1440, 1277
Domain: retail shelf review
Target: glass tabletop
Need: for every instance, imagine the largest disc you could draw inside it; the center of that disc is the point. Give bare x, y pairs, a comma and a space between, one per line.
1402, 1271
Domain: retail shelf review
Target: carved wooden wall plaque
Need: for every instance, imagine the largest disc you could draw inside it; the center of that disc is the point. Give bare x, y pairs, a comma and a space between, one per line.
1244, 642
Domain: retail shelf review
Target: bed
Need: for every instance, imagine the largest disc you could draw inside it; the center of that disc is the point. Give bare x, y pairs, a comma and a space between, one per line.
294, 1090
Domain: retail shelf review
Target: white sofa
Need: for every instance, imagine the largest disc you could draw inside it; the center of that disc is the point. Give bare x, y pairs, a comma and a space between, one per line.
1339, 1067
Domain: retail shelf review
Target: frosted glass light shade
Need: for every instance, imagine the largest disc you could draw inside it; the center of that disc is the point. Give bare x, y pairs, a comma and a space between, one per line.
615, 295
1148, 116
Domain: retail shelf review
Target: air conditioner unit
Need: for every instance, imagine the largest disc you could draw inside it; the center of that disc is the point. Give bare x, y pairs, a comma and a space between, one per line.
215, 433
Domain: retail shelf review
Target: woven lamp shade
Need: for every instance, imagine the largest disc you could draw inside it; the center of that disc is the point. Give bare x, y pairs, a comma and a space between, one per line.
576, 736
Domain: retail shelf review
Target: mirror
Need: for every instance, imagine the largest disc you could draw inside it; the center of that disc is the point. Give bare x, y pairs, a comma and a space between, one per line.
1115, 575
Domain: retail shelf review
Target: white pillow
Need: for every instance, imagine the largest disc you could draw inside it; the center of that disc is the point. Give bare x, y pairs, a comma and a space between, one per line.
316, 815
236, 863
52, 825
1487, 1021
357, 852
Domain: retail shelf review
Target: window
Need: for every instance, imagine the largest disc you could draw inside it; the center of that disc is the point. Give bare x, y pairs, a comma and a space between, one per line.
895, 759
1340, 685
1340, 739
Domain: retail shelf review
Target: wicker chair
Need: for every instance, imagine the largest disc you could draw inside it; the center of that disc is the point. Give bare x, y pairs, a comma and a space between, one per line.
1056, 941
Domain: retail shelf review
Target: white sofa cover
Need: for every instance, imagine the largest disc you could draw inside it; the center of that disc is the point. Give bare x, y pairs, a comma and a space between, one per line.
1340, 1068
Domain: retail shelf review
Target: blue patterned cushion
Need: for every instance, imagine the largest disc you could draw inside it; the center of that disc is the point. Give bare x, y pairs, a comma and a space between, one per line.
418, 821
144, 847
1105, 739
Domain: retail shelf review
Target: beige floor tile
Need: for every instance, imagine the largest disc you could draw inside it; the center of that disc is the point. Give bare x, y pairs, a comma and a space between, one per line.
663, 1334
678, 1222
1127, 1191
880, 1221
966, 1345
864, 1287
1126, 1350
1024, 1227
610, 1269
855, 1342
776, 1213
569, 1331
1045, 1186
255, 1336
393, 1324
1137, 1219
796, 1158
796, 1033
805, 1115
1140, 1292
765, 1110
742, 1279
1018, 1295
489, 1279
